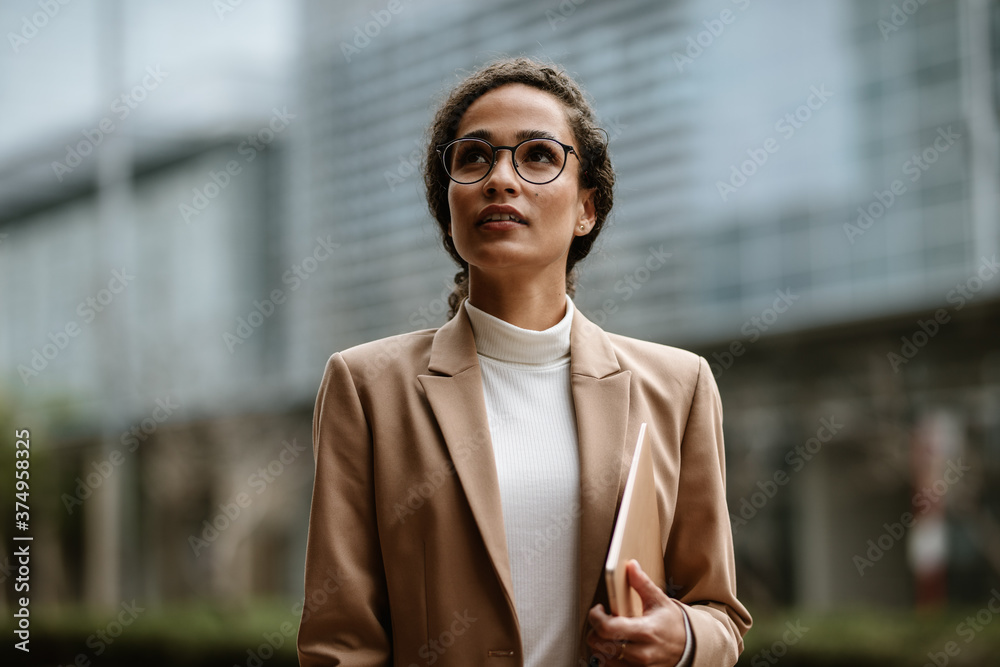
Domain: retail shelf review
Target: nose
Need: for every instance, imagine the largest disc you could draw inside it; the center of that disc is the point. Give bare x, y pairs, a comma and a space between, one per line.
502, 176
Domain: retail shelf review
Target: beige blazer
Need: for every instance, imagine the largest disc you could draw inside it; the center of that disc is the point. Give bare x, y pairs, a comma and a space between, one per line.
406, 562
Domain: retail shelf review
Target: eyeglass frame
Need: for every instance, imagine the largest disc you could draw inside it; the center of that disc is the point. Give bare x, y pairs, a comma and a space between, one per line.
567, 149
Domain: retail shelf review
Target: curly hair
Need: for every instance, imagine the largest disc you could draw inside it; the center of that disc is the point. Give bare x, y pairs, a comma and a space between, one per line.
591, 144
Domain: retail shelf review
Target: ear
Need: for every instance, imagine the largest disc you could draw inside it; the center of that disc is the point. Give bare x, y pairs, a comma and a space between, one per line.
587, 211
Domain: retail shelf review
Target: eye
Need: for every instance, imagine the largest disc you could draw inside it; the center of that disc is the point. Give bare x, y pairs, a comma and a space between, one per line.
472, 154
538, 152
476, 156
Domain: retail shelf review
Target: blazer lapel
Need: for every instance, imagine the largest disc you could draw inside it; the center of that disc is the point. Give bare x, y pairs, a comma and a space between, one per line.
456, 397
601, 397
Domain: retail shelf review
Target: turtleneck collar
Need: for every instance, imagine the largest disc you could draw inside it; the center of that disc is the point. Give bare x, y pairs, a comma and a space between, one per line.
501, 340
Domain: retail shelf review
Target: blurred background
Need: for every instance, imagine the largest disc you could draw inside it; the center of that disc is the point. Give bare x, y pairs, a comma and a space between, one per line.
201, 201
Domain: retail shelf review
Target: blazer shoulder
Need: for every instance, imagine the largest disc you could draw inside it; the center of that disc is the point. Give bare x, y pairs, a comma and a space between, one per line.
645, 356
406, 353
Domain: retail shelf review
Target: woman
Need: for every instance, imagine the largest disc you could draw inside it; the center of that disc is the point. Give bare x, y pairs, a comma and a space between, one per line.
467, 478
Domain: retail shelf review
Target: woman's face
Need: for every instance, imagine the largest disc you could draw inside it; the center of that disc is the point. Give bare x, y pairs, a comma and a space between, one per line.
548, 216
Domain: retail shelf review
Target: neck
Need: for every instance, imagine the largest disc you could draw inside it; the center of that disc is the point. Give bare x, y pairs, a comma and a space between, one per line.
525, 302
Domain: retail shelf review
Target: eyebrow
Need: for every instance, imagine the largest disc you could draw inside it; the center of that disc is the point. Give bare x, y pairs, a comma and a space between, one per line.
519, 136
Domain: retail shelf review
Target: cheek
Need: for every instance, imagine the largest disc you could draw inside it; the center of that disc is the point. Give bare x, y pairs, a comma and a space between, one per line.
454, 210
458, 201
558, 206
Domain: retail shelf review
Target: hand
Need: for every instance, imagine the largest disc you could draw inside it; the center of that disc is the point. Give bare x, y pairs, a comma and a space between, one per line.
657, 637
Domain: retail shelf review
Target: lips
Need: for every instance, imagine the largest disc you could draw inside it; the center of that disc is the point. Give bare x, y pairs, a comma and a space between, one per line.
500, 216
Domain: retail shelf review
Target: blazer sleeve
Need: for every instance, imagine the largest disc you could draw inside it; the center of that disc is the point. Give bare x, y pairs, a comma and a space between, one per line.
345, 617
699, 558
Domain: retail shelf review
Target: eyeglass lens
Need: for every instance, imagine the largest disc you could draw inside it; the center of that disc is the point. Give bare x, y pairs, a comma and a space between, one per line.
537, 161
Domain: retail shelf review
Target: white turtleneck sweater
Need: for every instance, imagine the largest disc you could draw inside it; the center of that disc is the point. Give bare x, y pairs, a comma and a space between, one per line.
532, 419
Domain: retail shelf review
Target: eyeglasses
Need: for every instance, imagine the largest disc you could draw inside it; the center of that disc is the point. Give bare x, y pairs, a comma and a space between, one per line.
537, 161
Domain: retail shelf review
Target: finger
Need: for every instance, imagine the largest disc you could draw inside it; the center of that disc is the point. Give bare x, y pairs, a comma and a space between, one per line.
598, 618
649, 592
607, 650
607, 627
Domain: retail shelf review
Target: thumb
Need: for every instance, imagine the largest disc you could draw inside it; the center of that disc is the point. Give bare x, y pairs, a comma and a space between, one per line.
648, 591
